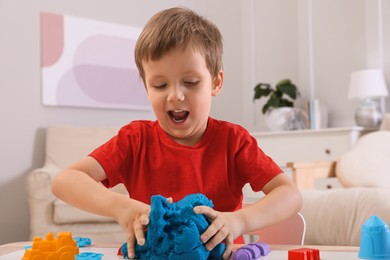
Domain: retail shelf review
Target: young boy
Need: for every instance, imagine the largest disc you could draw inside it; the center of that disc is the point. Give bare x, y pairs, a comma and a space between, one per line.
179, 58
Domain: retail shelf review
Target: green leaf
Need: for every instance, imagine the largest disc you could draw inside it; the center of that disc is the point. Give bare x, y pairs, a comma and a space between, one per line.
284, 82
265, 108
261, 90
288, 88
274, 101
283, 95
286, 103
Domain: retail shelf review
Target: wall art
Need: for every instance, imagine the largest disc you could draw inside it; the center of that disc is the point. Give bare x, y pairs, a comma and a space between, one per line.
89, 63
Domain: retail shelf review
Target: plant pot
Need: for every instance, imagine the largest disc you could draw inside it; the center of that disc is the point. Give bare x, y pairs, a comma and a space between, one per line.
286, 119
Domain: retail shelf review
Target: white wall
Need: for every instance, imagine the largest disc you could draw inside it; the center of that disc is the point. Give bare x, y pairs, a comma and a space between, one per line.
264, 41
344, 39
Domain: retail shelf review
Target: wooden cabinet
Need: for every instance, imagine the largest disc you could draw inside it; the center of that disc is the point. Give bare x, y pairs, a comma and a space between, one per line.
308, 145
294, 151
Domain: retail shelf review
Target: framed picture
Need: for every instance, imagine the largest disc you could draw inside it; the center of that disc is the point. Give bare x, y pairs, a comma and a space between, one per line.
88, 63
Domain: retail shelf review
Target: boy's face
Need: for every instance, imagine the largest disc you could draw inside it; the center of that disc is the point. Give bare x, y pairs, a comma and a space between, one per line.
180, 88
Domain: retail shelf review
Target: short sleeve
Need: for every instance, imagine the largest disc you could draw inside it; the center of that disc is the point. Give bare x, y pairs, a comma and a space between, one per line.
253, 165
115, 156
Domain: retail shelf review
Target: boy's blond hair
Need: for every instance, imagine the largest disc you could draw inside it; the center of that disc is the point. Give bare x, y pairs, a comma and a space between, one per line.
179, 28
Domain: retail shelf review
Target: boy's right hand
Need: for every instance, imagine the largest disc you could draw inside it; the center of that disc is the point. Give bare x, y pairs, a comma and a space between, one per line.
134, 220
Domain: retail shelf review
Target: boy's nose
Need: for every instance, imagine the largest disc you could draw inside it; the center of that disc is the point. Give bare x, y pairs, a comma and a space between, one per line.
176, 94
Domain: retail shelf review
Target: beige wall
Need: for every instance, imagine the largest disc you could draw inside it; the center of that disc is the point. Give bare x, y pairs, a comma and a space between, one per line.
264, 41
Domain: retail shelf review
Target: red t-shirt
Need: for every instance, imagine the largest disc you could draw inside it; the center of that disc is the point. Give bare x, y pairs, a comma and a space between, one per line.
148, 162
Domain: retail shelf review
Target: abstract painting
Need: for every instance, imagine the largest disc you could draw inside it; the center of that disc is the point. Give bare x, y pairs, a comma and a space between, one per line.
88, 63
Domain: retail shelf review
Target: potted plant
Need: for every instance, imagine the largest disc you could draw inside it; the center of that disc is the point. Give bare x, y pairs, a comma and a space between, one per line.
283, 95
279, 108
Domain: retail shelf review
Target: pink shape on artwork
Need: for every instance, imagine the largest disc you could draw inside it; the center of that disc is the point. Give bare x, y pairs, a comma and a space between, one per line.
52, 37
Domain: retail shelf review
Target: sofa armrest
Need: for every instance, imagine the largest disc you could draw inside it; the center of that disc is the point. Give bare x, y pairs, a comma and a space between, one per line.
305, 173
38, 183
40, 198
47, 212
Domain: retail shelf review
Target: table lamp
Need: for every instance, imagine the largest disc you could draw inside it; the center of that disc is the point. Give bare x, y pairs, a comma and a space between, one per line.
367, 86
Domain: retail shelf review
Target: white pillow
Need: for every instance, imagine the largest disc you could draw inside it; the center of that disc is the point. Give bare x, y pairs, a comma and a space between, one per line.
368, 163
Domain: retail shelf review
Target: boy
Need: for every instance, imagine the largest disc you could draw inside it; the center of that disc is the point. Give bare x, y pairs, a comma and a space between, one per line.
179, 58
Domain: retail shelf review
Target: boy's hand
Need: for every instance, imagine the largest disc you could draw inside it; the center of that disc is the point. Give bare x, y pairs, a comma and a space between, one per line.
224, 226
134, 221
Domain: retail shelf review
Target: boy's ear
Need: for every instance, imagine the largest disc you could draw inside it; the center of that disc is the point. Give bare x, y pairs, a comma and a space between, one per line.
218, 83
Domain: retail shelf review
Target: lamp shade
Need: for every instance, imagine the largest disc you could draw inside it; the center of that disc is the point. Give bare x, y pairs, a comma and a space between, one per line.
367, 83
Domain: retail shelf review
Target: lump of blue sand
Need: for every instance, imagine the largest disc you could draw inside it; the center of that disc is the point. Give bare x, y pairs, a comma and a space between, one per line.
174, 231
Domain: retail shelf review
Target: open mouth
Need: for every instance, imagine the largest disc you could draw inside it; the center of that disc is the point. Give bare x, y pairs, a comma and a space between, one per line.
178, 116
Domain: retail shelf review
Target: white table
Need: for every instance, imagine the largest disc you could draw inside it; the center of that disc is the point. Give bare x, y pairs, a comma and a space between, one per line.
278, 252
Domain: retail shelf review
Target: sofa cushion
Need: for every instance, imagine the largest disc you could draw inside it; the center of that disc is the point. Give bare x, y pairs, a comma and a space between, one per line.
367, 164
63, 213
68, 144
335, 217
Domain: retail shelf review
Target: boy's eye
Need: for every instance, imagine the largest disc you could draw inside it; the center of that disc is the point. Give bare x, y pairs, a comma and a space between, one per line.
160, 85
190, 83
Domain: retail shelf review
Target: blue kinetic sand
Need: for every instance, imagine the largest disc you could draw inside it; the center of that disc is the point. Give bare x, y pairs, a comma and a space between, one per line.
375, 239
174, 231
82, 241
89, 256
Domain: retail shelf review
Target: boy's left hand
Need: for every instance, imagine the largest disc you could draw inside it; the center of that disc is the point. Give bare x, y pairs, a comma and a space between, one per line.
223, 226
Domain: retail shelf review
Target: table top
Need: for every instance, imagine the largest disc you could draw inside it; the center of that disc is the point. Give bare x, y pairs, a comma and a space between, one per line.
278, 252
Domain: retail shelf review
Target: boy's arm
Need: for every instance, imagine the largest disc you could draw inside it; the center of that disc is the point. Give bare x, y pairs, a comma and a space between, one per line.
79, 186
282, 200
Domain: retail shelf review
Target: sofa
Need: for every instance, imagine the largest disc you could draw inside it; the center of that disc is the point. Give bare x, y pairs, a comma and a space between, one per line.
333, 217
65, 145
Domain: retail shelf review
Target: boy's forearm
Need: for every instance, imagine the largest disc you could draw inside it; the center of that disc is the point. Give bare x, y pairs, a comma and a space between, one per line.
80, 190
276, 206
